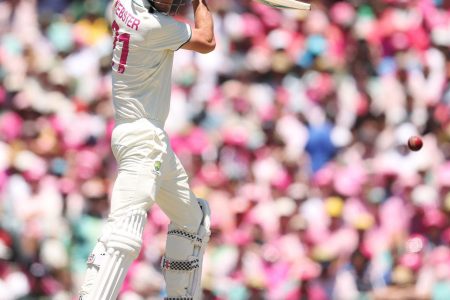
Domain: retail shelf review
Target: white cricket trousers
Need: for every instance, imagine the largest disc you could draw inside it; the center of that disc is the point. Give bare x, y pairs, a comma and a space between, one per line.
149, 172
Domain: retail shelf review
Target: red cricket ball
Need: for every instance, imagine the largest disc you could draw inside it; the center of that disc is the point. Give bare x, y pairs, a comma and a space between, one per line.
415, 143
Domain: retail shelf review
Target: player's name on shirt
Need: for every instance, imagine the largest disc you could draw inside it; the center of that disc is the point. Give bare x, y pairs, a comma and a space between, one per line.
127, 18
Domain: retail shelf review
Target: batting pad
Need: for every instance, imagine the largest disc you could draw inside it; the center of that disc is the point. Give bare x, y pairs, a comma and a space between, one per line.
123, 245
182, 264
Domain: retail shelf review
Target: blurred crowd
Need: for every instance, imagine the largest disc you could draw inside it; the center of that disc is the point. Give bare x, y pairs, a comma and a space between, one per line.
294, 129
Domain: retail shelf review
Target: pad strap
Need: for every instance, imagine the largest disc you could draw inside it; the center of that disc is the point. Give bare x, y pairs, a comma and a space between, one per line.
196, 240
180, 265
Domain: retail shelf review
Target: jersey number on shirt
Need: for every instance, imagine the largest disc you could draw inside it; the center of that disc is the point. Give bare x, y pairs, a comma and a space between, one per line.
123, 38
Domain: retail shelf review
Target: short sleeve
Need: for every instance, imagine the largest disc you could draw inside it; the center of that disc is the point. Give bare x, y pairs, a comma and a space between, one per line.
170, 34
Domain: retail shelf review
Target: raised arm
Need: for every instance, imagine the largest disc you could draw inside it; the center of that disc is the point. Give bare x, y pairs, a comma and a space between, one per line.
202, 39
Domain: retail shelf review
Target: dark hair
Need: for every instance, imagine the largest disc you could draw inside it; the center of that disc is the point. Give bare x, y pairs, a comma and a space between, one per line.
176, 4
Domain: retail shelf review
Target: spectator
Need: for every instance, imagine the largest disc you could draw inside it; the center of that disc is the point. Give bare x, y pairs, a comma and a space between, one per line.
294, 129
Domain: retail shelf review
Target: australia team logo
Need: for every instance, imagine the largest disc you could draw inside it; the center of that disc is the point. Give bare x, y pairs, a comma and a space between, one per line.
157, 168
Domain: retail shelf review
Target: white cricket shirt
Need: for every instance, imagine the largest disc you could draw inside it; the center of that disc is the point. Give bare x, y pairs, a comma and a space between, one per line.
144, 46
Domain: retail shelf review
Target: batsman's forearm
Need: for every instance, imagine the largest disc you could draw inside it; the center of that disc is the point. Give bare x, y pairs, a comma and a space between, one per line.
203, 19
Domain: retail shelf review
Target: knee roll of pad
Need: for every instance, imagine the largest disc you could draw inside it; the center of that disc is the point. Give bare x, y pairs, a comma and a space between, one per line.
123, 244
126, 233
182, 264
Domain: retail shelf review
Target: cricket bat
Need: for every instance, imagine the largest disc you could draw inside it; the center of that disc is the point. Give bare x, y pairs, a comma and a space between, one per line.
289, 4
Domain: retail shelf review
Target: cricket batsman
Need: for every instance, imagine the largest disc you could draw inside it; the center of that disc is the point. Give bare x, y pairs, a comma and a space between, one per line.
145, 38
